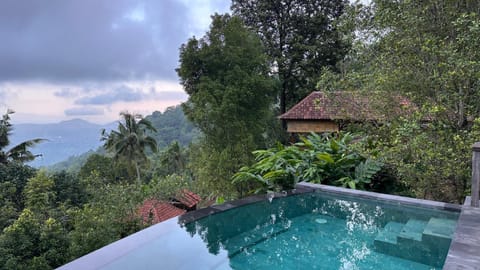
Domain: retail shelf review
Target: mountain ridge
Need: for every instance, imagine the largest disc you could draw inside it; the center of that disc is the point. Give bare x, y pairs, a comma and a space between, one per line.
63, 139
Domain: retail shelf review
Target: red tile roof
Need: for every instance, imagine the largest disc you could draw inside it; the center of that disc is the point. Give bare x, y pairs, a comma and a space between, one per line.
340, 105
188, 198
154, 211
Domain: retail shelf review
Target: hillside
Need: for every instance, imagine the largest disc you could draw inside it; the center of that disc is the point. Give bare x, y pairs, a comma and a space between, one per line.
172, 125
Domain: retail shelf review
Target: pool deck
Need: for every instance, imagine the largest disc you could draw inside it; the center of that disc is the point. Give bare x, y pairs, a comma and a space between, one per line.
465, 247
464, 253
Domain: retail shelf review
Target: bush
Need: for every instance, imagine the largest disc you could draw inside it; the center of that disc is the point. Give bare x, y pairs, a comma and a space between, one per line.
319, 159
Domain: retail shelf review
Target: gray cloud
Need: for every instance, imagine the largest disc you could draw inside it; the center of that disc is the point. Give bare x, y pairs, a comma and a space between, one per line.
91, 40
66, 93
83, 111
168, 95
127, 94
122, 93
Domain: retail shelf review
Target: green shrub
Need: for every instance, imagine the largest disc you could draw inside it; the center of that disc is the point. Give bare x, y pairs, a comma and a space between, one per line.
319, 159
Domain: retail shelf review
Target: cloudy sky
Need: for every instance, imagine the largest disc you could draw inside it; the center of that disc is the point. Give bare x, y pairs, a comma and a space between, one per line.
91, 59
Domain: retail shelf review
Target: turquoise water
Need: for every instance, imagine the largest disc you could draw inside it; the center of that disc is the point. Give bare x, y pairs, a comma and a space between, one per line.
307, 231
321, 231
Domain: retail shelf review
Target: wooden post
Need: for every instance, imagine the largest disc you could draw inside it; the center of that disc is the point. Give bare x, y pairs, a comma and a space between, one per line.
475, 174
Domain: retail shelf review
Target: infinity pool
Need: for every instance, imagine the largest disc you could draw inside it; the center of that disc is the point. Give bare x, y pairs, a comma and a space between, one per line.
315, 230
321, 231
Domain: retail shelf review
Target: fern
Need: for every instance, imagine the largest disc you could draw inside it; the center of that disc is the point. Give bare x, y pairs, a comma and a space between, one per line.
365, 171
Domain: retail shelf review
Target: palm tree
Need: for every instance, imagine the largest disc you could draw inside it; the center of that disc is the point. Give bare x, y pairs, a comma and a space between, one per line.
173, 159
18, 153
129, 142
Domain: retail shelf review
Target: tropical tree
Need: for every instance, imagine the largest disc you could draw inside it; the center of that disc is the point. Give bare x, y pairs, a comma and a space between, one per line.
129, 142
226, 76
300, 38
172, 160
426, 51
39, 193
32, 242
107, 168
18, 153
429, 51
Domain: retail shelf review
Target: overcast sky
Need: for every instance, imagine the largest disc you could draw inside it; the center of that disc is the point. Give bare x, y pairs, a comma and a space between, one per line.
91, 59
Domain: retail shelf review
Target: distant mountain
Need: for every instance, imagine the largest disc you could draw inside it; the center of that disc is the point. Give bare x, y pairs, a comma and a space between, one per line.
69, 141
64, 139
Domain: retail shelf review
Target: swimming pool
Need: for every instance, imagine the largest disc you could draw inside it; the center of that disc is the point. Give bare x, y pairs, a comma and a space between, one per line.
313, 230
324, 231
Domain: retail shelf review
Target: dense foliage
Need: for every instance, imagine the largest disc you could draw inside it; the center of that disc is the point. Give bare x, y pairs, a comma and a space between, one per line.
425, 51
171, 126
230, 97
327, 160
50, 218
129, 143
300, 38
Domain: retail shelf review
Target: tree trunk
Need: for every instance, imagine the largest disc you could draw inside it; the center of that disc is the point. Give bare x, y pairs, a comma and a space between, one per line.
283, 94
138, 173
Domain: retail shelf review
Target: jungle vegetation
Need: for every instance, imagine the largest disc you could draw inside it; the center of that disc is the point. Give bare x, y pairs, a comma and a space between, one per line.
251, 66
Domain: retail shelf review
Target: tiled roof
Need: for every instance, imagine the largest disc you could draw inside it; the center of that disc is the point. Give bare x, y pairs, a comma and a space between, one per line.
188, 198
155, 211
341, 105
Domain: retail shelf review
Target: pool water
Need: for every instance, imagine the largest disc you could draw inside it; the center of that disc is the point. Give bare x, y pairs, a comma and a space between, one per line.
324, 231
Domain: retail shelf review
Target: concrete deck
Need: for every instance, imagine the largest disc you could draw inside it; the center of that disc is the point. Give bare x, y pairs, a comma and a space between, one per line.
464, 250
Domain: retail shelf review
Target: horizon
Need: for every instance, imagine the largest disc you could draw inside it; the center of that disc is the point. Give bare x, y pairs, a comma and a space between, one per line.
83, 119
55, 66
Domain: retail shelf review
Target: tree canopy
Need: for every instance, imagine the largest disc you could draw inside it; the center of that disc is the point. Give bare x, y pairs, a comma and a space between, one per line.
425, 51
225, 74
130, 141
300, 37
19, 152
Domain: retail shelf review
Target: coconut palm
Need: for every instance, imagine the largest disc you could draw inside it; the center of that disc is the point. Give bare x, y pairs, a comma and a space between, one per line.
129, 142
19, 152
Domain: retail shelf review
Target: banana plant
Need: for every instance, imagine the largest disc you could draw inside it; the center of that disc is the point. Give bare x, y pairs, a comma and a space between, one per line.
316, 158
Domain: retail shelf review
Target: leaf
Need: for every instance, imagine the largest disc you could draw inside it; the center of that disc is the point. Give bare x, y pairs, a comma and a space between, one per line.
325, 157
272, 175
365, 171
243, 177
351, 184
344, 181
334, 145
220, 200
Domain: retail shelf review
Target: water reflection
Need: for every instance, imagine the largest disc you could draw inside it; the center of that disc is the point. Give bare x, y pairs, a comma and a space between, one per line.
316, 232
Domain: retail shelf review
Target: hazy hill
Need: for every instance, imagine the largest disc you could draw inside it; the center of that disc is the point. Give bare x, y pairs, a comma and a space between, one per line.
65, 139
71, 142
172, 125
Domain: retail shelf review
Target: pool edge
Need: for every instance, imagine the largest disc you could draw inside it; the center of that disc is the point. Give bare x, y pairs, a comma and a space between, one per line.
201, 213
382, 197
464, 252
